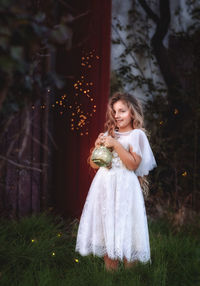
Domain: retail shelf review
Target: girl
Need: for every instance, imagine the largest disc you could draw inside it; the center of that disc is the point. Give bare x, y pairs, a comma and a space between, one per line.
113, 223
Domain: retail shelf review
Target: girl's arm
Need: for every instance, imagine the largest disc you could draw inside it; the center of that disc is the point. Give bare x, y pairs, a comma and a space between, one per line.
130, 159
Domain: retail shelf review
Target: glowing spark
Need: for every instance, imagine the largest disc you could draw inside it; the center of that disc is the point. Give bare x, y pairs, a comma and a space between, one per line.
184, 174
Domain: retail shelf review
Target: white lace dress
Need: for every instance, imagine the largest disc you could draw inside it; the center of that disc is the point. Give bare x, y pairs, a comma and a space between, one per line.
113, 219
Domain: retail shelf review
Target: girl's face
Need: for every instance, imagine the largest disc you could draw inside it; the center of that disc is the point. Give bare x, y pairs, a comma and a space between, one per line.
122, 116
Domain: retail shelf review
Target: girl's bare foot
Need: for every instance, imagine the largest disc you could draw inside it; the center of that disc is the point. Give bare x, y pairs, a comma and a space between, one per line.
129, 265
110, 263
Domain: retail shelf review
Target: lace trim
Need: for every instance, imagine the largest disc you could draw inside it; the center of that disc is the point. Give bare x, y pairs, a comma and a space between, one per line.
100, 251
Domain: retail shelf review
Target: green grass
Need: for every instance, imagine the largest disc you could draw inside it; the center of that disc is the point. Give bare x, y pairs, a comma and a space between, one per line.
39, 251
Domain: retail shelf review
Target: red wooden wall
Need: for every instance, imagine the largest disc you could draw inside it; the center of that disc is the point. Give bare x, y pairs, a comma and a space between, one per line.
92, 33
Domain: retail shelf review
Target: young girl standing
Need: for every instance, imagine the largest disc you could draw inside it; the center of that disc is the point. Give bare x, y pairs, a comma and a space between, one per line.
113, 223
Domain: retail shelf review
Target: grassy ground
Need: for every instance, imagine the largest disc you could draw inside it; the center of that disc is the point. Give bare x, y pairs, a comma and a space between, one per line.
39, 250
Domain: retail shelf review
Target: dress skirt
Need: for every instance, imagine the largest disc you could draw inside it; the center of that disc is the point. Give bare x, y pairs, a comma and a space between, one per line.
113, 219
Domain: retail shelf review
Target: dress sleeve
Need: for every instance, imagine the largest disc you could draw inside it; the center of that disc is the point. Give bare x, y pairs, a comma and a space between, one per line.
140, 145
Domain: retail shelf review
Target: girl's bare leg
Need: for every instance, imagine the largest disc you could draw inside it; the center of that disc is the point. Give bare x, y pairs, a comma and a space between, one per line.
129, 264
110, 263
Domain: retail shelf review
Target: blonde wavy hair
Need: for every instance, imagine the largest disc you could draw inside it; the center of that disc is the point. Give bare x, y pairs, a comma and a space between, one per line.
110, 125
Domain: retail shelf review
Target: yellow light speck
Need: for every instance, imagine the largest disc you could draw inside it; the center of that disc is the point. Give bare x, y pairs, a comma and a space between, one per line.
175, 111
161, 122
184, 174
32, 240
76, 260
53, 254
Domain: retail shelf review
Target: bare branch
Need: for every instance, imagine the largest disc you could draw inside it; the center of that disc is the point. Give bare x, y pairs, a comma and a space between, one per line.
160, 50
162, 21
149, 12
20, 165
131, 54
38, 142
163, 24
27, 126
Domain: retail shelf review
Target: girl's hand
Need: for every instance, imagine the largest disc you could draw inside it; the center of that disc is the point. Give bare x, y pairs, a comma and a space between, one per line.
108, 141
98, 142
